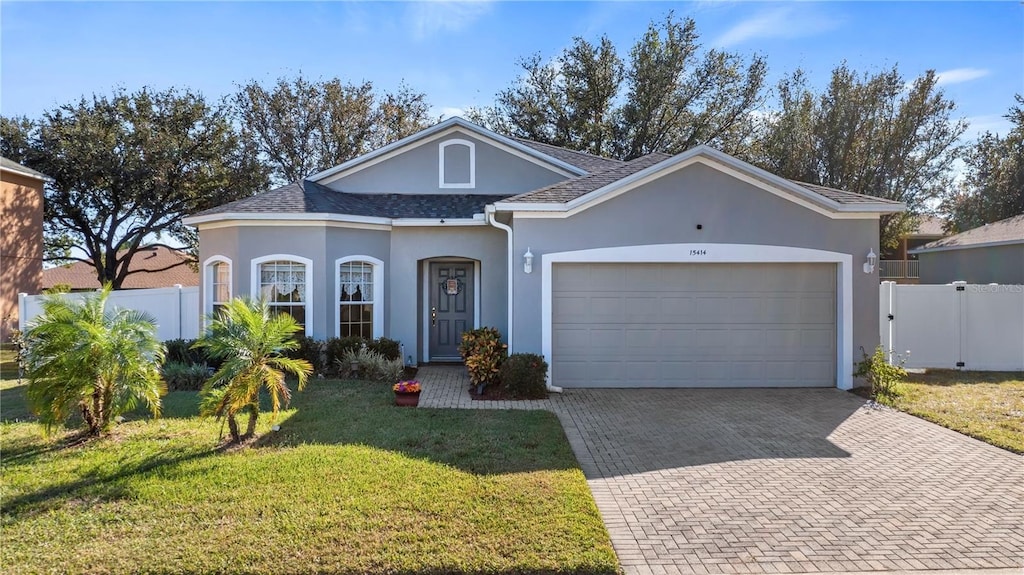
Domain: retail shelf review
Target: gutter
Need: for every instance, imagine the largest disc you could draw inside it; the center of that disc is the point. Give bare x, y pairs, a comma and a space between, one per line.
490, 211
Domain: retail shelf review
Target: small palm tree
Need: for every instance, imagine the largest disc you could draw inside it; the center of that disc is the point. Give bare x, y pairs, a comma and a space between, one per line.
251, 341
82, 356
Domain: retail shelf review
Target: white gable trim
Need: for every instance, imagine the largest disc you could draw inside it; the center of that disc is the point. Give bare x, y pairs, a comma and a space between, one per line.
441, 183
715, 253
450, 126
719, 161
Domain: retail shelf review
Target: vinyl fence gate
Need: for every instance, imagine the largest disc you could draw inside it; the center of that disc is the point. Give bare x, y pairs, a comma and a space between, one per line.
954, 326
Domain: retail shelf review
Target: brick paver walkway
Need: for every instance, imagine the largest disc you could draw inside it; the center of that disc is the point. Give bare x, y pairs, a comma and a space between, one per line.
779, 481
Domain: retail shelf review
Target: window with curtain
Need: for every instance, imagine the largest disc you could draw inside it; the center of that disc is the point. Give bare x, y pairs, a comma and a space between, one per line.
283, 285
355, 299
220, 285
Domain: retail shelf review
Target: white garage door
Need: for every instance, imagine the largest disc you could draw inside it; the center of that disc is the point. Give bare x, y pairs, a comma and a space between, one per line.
693, 325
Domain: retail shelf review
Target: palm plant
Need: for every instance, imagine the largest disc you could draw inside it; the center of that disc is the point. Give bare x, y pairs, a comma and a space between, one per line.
82, 356
252, 341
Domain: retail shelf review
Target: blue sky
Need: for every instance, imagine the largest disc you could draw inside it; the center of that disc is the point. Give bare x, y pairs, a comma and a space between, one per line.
461, 54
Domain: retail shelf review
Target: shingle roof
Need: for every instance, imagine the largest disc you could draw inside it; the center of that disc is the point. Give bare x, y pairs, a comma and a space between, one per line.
1010, 230
588, 162
81, 276
930, 226
842, 196
569, 190
308, 197
16, 167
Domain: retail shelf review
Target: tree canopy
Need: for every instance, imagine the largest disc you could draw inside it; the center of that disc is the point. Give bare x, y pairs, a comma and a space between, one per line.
667, 96
993, 185
873, 134
126, 169
300, 126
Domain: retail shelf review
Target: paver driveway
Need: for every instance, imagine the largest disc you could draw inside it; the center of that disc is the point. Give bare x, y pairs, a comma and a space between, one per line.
779, 481
751, 481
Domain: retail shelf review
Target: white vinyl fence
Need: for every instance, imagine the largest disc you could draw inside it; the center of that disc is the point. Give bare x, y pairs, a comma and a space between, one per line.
959, 325
176, 309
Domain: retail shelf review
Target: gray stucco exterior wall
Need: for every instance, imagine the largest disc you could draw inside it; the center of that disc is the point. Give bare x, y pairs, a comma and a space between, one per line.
416, 172
668, 210
983, 265
410, 247
402, 251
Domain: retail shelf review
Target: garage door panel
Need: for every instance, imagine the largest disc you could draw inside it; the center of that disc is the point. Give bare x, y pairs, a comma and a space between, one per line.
693, 325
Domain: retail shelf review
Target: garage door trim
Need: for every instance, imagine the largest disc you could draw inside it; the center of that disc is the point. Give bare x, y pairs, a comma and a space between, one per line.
714, 253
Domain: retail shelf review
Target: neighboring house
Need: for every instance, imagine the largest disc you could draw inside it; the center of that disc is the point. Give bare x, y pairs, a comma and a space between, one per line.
900, 264
687, 270
992, 253
157, 267
21, 240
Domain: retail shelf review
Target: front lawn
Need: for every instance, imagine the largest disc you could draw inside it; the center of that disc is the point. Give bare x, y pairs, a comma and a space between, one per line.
986, 405
349, 485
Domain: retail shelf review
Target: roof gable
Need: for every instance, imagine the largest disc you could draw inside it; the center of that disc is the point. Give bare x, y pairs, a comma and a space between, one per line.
581, 193
451, 125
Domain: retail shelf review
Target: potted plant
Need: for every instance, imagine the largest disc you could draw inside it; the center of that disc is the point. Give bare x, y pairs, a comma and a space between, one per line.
407, 393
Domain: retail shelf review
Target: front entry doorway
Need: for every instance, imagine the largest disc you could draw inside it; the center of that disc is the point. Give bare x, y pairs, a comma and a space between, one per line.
450, 311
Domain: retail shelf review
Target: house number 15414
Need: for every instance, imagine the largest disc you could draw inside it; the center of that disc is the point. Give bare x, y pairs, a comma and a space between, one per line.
698, 252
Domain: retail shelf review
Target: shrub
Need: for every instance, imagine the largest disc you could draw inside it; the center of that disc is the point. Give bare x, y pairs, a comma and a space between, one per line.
389, 348
184, 376
182, 351
334, 352
483, 353
310, 350
524, 376
883, 376
372, 365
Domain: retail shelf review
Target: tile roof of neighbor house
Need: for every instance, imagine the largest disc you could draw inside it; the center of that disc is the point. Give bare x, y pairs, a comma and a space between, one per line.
82, 276
1008, 231
308, 197
13, 166
588, 162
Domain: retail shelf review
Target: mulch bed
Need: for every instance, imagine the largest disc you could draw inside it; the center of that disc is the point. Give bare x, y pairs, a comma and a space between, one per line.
409, 373
491, 393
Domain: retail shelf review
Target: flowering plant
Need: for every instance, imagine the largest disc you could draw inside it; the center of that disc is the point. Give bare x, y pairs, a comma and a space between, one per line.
406, 387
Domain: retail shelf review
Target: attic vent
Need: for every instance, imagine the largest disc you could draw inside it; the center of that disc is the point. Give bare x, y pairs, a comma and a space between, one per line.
456, 164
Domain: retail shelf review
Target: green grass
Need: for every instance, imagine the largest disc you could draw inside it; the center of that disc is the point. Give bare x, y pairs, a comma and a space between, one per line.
986, 405
350, 484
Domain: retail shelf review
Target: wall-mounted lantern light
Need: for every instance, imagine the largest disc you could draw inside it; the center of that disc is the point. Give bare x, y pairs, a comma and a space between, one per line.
528, 261
869, 266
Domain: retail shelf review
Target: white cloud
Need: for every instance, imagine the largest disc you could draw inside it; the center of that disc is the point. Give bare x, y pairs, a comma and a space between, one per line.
994, 123
786, 22
427, 18
958, 75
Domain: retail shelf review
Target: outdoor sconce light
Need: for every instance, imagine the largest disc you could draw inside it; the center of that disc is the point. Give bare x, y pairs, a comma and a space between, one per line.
528, 261
869, 266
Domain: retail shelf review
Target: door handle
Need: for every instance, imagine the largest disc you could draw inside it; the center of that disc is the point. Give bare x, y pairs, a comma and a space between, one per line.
433, 316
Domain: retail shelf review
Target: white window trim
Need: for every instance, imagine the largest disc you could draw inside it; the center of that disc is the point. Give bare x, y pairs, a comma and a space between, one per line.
440, 163
378, 292
716, 253
208, 280
254, 279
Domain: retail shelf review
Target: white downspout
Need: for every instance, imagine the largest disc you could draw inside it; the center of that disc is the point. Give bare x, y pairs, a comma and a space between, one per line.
511, 274
508, 232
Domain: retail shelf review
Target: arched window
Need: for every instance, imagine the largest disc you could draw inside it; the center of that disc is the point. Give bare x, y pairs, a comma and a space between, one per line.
216, 283
457, 164
360, 293
284, 282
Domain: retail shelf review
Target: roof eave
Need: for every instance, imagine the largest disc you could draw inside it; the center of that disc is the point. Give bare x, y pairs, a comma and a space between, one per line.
925, 249
39, 176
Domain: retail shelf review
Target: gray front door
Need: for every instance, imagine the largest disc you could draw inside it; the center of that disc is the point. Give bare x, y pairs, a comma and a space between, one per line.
451, 307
